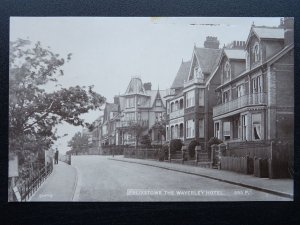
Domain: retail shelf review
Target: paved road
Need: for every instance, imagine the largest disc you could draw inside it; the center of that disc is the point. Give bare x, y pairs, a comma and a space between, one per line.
101, 179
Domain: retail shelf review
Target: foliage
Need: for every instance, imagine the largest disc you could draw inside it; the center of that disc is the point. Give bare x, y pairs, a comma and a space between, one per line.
214, 141
136, 129
160, 126
145, 140
192, 146
175, 145
79, 143
33, 111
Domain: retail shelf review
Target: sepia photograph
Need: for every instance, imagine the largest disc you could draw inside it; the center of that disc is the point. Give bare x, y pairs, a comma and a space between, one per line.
151, 109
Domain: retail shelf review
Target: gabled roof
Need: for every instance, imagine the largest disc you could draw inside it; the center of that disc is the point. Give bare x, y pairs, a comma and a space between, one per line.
269, 32
266, 33
207, 58
182, 75
235, 53
153, 94
271, 60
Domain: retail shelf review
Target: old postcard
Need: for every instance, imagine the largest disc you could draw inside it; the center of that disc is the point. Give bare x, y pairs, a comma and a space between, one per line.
151, 109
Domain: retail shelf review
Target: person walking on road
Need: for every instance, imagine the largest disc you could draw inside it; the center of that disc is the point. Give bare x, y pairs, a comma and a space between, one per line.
56, 157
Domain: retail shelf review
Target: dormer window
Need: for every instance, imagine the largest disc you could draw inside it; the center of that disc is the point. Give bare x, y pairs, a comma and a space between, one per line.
256, 52
227, 70
158, 103
197, 72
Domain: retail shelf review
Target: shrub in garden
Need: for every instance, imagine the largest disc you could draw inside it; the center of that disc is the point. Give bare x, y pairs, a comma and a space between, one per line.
175, 145
191, 147
214, 141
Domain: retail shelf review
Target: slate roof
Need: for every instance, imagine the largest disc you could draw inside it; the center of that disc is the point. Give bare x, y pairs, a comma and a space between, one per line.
135, 86
269, 32
182, 75
152, 94
207, 58
235, 53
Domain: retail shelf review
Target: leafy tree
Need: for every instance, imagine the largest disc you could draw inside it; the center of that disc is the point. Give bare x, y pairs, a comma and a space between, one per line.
79, 143
33, 111
136, 129
160, 126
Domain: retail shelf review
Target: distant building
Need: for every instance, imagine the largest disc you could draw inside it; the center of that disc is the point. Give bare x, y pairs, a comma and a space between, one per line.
108, 126
140, 108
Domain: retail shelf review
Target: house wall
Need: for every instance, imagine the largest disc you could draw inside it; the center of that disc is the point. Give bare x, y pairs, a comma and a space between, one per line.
237, 66
270, 47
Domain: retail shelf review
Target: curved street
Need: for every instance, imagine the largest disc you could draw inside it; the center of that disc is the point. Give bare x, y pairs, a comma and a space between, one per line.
103, 179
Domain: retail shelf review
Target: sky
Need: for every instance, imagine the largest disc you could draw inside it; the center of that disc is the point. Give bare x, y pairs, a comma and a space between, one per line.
108, 51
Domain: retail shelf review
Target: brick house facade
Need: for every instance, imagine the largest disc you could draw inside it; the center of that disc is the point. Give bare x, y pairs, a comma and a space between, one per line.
256, 104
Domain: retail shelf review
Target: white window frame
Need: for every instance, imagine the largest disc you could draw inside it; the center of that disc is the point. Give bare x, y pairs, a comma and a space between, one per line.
201, 97
201, 128
158, 103
190, 99
244, 127
190, 128
256, 52
257, 126
227, 70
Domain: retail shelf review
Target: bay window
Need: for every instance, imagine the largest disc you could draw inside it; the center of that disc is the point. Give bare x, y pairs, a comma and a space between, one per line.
190, 99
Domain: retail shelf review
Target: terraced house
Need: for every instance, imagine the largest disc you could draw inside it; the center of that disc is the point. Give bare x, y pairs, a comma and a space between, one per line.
108, 126
256, 94
189, 109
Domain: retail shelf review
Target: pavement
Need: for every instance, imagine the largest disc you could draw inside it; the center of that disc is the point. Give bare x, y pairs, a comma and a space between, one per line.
279, 187
59, 186
107, 178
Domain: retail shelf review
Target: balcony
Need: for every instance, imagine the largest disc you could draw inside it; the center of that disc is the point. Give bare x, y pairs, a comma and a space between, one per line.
176, 114
196, 80
130, 123
243, 101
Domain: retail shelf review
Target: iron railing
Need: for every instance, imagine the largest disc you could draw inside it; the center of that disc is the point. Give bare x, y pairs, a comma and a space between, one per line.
30, 185
243, 101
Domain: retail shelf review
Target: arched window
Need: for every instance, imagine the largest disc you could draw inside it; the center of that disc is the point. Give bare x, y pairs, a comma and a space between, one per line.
227, 70
172, 132
176, 105
181, 104
172, 107
176, 131
181, 130
256, 52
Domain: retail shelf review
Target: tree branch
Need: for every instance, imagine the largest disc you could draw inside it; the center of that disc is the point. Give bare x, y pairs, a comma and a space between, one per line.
42, 117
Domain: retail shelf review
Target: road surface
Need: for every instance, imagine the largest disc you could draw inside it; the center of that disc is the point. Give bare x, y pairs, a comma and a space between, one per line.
102, 179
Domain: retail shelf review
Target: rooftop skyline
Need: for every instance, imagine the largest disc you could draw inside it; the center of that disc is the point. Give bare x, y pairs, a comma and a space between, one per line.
108, 51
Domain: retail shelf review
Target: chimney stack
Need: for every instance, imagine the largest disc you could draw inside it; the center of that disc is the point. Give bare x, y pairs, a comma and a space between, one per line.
147, 86
211, 42
116, 100
288, 24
